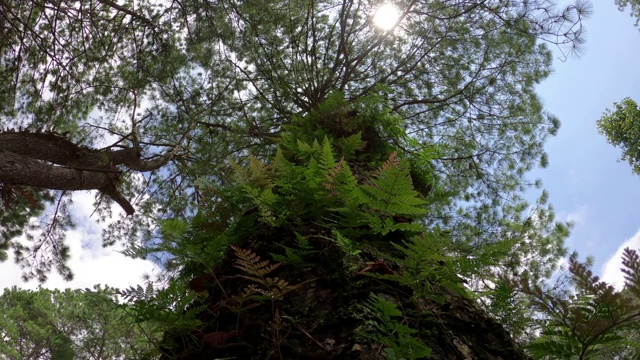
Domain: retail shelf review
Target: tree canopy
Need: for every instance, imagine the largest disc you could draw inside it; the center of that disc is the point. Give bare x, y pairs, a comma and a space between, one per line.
155, 98
71, 324
622, 129
632, 5
315, 185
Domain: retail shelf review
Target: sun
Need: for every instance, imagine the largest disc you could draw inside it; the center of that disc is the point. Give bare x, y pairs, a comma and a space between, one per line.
386, 16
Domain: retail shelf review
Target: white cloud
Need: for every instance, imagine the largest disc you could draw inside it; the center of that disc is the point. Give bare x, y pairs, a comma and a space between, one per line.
90, 262
573, 175
578, 217
611, 269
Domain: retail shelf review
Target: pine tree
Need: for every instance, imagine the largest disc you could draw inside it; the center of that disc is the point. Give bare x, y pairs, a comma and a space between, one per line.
190, 86
322, 253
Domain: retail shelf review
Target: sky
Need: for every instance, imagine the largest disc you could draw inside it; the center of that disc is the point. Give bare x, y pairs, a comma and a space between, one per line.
90, 262
586, 183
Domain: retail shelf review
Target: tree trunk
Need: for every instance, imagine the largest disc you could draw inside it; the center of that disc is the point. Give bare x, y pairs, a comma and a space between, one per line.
51, 161
21, 170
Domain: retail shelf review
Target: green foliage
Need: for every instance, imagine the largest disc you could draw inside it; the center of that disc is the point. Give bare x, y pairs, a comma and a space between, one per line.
528, 243
72, 324
297, 129
193, 246
423, 257
382, 325
170, 307
622, 129
587, 320
511, 309
295, 256
256, 270
454, 95
391, 192
345, 244
325, 190
309, 201
634, 7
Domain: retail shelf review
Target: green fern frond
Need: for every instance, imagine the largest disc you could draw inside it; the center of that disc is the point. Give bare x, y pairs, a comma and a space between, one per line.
255, 174
585, 322
280, 163
631, 270
138, 292
392, 191
304, 150
295, 256
172, 306
385, 225
381, 308
380, 315
351, 145
341, 178
346, 244
327, 160
421, 258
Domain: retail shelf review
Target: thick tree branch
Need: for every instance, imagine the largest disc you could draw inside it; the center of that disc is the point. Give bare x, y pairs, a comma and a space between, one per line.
58, 150
22, 170
25, 171
127, 11
48, 160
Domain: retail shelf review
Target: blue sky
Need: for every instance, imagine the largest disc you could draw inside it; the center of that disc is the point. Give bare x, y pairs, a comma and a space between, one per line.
90, 262
586, 182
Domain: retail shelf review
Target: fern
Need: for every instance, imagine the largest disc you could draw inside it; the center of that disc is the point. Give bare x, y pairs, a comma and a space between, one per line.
194, 249
380, 317
256, 270
392, 191
389, 194
342, 183
172, 307
350, 145
583, 324
631, 270
320, 186
251, 263
138, 293
347, 245
423, 259
256, 173
506, 304
295, 256
327, 160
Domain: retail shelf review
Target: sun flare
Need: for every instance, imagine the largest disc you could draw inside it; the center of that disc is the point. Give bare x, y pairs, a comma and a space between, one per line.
386, 16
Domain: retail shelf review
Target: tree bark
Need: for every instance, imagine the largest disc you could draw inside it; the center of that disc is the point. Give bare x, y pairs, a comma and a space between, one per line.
51, 161
22, 170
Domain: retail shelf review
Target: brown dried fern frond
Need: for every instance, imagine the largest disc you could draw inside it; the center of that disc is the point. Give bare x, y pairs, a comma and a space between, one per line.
252, 264
257, 270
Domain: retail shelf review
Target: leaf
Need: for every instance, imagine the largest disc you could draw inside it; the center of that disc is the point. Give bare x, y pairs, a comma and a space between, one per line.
392, 191
327, 160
